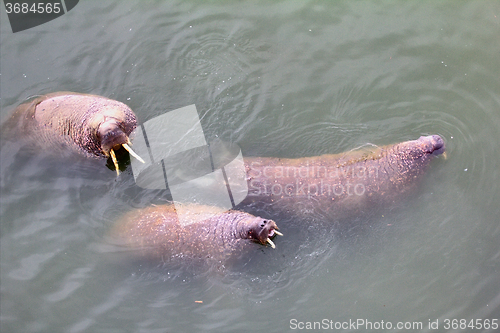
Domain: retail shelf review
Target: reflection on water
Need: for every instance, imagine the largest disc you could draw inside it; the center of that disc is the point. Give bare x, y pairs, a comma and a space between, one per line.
278, 79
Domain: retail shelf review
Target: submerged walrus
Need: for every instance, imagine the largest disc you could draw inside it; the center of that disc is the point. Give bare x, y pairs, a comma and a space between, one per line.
340, 185
91, 125
209, 235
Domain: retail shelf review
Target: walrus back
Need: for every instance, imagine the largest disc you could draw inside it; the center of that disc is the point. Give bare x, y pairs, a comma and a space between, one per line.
340, 185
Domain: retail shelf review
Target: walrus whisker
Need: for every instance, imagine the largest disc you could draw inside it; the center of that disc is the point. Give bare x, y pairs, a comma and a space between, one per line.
131, 152
277, 232
271, 243
115, 162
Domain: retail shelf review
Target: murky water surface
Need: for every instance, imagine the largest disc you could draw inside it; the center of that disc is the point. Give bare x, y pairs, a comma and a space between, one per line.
286, 79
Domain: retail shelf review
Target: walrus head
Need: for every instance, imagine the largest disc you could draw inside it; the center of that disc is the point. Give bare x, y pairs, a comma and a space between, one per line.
261, 230
401, 164
112, 135
424, 148
432, 144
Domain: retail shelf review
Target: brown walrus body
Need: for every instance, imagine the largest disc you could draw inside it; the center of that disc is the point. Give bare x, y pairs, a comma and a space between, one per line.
338, 186
343, 184
210, 235
88, 124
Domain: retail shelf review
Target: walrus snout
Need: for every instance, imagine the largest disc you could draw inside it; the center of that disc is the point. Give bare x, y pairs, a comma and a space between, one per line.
262, 230
111, 135
433, 144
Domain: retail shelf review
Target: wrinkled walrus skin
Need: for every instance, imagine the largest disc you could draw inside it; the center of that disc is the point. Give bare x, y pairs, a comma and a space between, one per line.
156, 233
88, 124
340, 185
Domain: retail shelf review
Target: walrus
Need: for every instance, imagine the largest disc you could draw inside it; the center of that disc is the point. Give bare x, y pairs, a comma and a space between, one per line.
91, 125
155, 232
340, 185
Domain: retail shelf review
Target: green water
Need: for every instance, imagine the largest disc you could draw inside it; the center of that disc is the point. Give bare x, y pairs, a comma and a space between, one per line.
292, 79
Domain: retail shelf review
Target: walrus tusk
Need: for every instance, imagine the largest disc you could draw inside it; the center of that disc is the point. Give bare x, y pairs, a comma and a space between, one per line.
277, 232
271, 243
115, 162
131, 152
